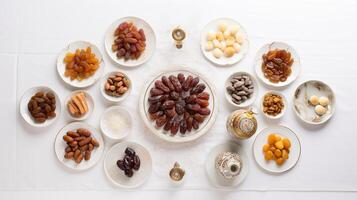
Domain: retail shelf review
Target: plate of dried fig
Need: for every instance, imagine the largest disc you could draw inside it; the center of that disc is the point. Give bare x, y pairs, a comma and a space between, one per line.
178, 106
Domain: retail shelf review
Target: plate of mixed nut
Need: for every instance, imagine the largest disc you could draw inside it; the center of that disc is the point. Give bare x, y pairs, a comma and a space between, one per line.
115, 86
178, 106
241, 89
277, 64
80, 64
79, 146
128, 164
273, 104
130, 41
40, 106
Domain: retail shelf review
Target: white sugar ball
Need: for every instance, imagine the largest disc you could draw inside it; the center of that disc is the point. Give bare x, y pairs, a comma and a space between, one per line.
314, 100
217, 53
222, 26
219, 36
223, 45
216, 43
324, 101
209, 46
234, 29
211, 35
226, 34
320, 110
237, 47
230, 41
239, 39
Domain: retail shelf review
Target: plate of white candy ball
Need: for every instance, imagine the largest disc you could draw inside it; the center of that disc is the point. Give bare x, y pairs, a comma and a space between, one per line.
224, 42
314, 102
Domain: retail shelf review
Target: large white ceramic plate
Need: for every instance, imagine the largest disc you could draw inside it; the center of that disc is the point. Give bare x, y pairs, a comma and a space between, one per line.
60, 146
26, 115
271, 166
304, 110
111, 98
115, 111
150, 41
249, 101
295, 68
178, 138
90, 103
117, 176
223, 61
215, 177
71, 48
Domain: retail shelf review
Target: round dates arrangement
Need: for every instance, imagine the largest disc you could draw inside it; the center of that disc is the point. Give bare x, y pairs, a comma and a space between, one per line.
178, 103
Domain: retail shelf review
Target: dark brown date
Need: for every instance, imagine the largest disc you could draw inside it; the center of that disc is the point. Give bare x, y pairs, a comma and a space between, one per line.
168, 104
187, 83
154, 107
174, 96
181, 78
203, 95
183, 126
171, 113
168, 83
176, 83
189, 122
194, 82
198, 89
161, 86
204, 111
191, 99
155, 92
175, 125
199, 118
202, 103
161, 121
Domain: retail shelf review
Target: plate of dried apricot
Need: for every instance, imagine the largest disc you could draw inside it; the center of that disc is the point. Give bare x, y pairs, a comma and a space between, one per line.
277, 64
80, 64
130, 41
276, 149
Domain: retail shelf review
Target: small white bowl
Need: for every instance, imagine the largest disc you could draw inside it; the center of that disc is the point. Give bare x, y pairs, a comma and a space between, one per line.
60, 146
223, 61
282, 111
116, 110
117, 176
90, 103
249, 101
25, 113
271, 166
295, 68
61, 67
111, 98
150, 42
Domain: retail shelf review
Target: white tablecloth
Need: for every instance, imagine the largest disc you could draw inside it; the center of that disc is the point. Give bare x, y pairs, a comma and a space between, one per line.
32, 33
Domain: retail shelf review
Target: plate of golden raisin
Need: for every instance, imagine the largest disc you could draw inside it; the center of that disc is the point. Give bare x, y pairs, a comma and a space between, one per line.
276, 149
80, 64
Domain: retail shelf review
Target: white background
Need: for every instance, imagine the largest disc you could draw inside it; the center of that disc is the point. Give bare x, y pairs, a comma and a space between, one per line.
33, 32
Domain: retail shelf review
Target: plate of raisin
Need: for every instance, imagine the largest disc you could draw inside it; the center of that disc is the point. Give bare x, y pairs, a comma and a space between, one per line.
277, 64
178, 106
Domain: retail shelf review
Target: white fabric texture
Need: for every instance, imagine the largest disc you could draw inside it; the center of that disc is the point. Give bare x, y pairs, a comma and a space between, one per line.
32, 33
